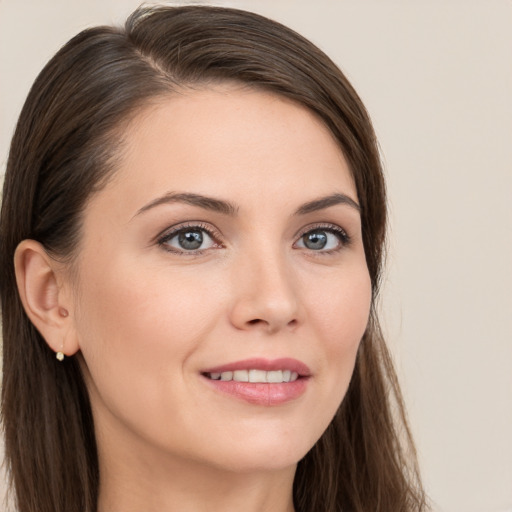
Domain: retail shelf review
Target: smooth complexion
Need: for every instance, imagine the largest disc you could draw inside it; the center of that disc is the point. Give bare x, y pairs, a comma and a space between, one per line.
229, 239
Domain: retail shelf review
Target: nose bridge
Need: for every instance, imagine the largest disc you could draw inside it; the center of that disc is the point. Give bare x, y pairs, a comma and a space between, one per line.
265, 290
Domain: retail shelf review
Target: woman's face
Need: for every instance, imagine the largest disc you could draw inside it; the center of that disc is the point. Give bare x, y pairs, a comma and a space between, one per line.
226, 248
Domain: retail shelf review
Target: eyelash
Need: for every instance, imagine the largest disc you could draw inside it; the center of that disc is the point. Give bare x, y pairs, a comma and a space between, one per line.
340, 233
183, 228
162, 240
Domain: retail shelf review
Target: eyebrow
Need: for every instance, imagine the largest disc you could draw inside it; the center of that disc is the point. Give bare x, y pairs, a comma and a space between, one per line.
208, 203
227, 208
326, 202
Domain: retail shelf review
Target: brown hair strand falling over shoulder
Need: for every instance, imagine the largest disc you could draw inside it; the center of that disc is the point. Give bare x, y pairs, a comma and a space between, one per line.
64, 150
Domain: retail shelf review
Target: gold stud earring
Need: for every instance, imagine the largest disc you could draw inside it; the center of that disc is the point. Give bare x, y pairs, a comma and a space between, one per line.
60, 355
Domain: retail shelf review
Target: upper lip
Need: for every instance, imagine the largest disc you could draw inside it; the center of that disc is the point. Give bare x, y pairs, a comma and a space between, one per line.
284, 363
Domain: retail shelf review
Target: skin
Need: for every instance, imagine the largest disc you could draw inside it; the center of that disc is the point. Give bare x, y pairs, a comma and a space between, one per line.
147, 317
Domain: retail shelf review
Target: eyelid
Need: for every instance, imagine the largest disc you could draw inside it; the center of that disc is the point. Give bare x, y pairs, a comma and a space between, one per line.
172, 231
344, 237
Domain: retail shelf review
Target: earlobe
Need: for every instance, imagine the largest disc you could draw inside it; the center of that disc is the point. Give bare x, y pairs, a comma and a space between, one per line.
43, 298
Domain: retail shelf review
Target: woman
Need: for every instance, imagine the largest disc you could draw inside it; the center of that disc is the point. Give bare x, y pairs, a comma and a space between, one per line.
196, 212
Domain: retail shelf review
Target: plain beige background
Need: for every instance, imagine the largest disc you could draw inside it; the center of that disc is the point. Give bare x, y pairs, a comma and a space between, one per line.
436, 77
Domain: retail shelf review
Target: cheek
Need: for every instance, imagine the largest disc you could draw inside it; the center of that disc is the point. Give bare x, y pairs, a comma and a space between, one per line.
340, 319
342, 309
137, 328
128, 305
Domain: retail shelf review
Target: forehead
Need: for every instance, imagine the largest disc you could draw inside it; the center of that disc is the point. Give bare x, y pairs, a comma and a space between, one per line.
228, 140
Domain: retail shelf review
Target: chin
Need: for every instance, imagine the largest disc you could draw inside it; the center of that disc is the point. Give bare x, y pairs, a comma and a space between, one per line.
263, 453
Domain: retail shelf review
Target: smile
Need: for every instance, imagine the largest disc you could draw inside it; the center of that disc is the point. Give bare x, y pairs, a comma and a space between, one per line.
260, 381
262, 376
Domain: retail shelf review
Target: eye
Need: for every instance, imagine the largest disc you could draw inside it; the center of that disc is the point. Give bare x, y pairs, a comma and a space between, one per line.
323, 239
188, 239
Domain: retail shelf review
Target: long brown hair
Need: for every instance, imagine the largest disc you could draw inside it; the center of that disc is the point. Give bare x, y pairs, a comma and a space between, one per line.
65, 148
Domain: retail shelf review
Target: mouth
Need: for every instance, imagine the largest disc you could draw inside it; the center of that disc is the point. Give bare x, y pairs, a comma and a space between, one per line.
255, 376
260, 381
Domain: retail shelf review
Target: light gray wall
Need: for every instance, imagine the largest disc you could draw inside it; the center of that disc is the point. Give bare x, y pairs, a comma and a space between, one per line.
437, 78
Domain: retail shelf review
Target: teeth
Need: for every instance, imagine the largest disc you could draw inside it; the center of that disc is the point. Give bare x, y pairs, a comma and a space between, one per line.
257, 376
241, 375
275, 376
261, 376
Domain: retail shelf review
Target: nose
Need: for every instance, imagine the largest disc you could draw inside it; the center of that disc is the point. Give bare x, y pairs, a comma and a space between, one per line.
265, 296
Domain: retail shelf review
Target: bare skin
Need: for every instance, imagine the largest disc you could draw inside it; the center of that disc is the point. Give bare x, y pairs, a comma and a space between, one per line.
230, 232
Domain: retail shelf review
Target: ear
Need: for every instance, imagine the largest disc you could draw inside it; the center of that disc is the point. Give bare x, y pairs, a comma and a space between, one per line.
46, 299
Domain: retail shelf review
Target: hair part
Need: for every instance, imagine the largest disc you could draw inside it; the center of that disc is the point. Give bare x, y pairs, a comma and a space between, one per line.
65, 148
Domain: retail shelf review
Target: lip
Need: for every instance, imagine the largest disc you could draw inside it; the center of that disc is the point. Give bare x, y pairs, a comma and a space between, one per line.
263, 394
284, 363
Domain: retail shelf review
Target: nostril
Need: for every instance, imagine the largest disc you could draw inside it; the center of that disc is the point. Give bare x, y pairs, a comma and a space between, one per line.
257, 321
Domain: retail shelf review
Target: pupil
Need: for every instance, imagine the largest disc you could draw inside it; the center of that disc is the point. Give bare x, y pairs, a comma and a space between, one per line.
190, 239
315, 240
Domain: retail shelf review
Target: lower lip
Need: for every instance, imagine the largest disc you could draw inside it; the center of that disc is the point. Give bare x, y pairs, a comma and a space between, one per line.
261, 393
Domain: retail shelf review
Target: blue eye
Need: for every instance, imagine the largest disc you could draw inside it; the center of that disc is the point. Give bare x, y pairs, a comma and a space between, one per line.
188, 239
323, 239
